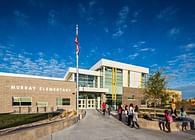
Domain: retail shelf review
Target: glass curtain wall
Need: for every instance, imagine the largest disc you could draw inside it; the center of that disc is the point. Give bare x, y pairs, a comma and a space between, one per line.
143, 80
113, 81
87, 81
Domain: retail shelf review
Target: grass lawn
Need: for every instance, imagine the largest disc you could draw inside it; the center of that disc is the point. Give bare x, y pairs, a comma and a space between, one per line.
12, 120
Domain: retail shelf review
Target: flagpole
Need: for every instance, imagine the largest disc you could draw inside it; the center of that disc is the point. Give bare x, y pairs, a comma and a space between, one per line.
77, 70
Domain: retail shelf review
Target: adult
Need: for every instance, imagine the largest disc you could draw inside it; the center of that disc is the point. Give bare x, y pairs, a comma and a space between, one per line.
130, 115
183, 117
173, 106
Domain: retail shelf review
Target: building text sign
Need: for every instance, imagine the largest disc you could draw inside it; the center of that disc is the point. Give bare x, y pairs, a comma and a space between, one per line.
42, 89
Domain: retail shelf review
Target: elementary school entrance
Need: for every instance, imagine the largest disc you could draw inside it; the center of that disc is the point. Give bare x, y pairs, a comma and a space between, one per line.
89, 101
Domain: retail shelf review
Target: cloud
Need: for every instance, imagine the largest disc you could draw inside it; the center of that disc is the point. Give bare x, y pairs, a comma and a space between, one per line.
173, 32
135, 16
189, 46
168, 13
106, 54
92, 52
106, 30
138, 44
181, 70
118, 33
36, 64
92, 3
133, 56
52, 17
140, 47
147, 50
123, 13
121, 22
21, 18
87, 12
120, 50
133, 21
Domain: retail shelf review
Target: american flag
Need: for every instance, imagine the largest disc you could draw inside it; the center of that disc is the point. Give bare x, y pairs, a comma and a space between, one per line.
77, 45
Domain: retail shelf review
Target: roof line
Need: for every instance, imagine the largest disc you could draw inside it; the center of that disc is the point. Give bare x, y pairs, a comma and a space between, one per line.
30, 76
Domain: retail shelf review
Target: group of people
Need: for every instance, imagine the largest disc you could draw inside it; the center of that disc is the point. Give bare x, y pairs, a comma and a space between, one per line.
166, 122
182, 117
131, 114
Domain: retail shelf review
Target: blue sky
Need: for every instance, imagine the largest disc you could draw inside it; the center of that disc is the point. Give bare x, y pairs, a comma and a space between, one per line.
37, 36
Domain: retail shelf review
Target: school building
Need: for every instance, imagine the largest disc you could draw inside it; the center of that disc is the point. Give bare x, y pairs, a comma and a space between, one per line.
106, 81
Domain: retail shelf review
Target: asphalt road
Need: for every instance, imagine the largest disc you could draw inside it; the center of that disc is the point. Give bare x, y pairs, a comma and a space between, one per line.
95, 126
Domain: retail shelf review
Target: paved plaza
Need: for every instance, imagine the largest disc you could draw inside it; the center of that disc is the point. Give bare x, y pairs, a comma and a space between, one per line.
95, 126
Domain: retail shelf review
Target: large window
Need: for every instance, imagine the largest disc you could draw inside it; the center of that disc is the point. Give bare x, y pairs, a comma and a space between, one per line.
62, 101
22, 101
87, 80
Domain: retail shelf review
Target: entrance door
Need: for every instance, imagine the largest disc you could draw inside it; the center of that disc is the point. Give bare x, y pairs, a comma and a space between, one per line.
87, 103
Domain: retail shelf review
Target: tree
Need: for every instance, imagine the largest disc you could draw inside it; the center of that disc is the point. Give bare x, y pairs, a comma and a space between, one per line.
155, 86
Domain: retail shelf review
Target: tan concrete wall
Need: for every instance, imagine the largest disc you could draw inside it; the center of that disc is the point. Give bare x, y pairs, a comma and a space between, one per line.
175, 126
6, 93
34, 133
137, 92
39, 130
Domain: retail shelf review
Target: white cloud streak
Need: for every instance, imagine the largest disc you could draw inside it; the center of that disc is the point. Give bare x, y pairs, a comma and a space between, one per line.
173, 32
189, 46
23, 63
87, 12
121, 24
168, 13
181, 70
133, 56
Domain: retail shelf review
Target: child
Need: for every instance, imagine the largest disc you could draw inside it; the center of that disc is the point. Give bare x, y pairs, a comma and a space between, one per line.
169, 120
120, 110
135, 116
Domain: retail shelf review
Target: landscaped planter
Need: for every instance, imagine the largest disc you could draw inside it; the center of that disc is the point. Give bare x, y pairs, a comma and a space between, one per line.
154, 124
35, 131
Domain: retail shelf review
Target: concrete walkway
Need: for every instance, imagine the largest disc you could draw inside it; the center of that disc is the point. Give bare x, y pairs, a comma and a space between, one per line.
95, 126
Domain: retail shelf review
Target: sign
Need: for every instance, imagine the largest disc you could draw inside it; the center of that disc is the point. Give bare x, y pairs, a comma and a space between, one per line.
42, 89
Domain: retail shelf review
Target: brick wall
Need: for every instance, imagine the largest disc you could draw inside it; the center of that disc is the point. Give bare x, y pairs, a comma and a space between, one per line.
129, 92
6, 93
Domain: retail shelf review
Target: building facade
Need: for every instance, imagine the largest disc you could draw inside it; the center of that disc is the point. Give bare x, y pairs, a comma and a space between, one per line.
107, 81
110, 81
31, 94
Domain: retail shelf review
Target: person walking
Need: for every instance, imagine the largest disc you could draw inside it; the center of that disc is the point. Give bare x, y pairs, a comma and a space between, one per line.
103, 108
168, 119
120, 110
130, 115
126, 113
135, 117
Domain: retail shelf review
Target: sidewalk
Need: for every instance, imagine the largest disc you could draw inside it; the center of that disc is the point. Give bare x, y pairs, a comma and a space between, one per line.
96, 126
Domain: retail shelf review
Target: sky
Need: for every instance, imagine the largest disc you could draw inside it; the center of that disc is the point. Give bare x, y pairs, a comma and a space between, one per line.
37, 36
